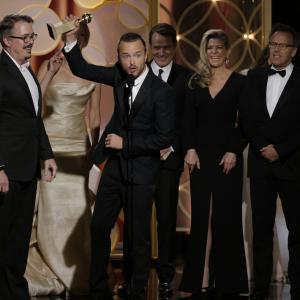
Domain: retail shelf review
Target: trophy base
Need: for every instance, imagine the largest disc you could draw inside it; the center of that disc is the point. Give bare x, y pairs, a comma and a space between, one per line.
51, 32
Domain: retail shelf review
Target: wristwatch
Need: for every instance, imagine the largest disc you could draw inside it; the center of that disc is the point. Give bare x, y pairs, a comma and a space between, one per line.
2, 168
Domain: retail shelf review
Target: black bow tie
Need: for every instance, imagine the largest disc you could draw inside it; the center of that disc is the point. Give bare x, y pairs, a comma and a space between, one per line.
273, 71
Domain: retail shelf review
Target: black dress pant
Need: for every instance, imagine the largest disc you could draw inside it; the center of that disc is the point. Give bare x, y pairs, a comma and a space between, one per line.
166, 200
113, 193
228, 258
16, 215
263, 201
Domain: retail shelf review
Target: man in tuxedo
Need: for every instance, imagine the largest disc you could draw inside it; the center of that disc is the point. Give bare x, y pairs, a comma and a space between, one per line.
163, 42
131, 142
270, 114
23, 142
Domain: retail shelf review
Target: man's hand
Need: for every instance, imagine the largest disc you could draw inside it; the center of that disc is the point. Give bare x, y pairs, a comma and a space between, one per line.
228, 161
4, 183
269, 153
192, 160
50, 169
114, 141
164, 153
71, 36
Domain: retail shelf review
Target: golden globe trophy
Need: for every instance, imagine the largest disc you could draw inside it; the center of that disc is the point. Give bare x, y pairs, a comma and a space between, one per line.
64, 26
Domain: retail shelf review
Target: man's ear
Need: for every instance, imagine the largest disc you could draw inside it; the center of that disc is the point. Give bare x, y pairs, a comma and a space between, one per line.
7, 41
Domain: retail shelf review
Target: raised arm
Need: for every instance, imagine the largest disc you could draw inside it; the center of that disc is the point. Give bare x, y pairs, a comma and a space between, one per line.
48, 70
79, 66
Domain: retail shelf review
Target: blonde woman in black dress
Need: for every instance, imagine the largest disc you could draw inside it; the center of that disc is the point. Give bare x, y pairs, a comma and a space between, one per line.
214, 147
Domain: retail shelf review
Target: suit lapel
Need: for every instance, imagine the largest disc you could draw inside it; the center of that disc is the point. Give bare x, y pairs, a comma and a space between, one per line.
173, 75
263, 90
120, 101
16, 73
39, 90
286, 92
141, 96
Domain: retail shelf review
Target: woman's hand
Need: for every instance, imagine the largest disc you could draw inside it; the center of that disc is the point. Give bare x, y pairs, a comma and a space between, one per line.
228, 161
192, 160
4, 182
55, 63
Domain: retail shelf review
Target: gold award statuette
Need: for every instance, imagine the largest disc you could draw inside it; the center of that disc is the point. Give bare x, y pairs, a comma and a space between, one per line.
64, 26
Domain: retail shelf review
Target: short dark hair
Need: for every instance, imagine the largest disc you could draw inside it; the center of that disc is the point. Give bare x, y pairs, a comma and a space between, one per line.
286, 28
8, 23
131, 37
165, 30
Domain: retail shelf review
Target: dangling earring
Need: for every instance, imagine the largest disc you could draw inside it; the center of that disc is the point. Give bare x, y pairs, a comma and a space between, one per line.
226, 61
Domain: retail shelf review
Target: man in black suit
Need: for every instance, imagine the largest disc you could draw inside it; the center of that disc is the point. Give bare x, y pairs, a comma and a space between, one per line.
131, 142
270, 115
163, 42
23, 142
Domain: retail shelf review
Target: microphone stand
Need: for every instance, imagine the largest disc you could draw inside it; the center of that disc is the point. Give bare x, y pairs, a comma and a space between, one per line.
129, 193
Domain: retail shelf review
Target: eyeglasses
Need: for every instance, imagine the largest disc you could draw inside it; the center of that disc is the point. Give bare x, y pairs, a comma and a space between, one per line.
26, 38
273, 45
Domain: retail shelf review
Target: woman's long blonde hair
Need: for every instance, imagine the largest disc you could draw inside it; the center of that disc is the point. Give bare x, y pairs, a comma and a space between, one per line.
204, 73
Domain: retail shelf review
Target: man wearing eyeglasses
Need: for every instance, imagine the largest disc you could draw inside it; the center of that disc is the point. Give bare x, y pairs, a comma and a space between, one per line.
23, 142
270, 115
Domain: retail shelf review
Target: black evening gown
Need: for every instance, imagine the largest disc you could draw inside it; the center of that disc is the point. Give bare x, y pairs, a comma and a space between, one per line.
210, 127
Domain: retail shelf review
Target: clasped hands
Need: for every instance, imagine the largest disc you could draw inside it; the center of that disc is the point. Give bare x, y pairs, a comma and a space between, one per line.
114, 141
269, 153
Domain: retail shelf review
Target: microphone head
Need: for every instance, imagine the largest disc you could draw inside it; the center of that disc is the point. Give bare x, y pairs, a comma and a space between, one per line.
130, 80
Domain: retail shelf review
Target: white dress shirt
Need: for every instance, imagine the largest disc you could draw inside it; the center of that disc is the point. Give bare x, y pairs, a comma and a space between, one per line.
275, 86
137, 84
34, 91
166, 70
69, 47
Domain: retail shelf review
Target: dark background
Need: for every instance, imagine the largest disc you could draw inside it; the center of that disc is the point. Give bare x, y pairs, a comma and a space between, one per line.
282, 12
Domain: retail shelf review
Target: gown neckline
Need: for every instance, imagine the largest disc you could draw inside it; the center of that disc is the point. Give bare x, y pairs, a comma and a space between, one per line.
223, 87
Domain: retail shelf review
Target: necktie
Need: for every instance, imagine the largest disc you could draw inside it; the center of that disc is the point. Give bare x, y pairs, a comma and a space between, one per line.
160, 71
273, 71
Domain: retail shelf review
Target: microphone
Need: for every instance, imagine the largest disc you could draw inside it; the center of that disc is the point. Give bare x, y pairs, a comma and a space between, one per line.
128, 92
130, 80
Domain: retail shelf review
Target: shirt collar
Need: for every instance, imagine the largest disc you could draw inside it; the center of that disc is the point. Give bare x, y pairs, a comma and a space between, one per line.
142, 77
22, 67
289, 69
155, 67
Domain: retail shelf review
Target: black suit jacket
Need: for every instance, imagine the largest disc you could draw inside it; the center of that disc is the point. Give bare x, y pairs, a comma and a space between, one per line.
151, 120
23, 140
178, 80
282, 129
